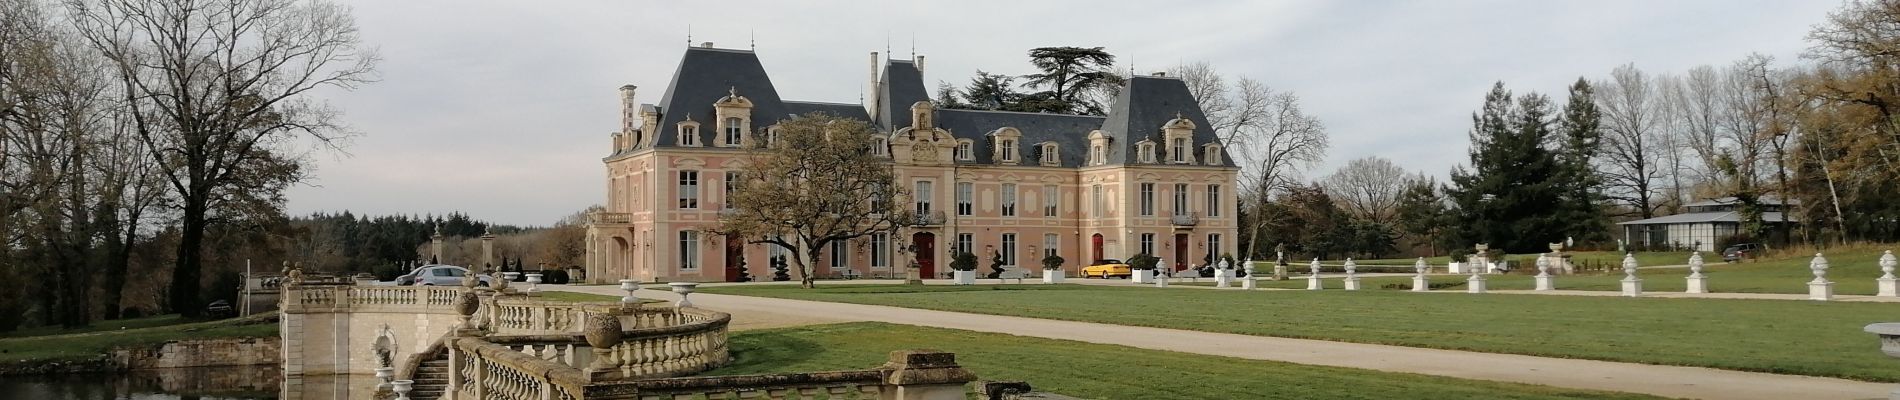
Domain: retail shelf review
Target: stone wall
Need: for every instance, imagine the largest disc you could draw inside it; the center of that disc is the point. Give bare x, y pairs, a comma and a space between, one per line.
201, 353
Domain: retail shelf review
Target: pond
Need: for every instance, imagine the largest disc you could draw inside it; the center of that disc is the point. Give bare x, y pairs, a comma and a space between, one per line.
212, 383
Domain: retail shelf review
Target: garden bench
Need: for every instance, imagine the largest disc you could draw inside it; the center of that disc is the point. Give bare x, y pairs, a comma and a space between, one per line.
851, 274
1012, 273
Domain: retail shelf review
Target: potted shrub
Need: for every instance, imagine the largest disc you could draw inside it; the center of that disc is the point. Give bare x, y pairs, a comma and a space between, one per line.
964, 267
1144, 267
1052, 269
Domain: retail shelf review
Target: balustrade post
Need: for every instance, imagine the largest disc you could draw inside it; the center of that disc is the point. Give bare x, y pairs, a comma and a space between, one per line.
925, 375
455, 370
481, 376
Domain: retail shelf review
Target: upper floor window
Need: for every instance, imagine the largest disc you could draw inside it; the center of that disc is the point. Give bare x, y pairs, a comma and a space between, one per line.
771, 136
1095, 201
880, 198
1049, 155
1009, 150
1180, 199
1147, 151
1097, 156
1147, 199
689, 190
1009, 199
964, 195
1050, 196
734, 131
966, 150
879, 147
1212, 155
1177, 150
732, 181
923, 194
1213, 200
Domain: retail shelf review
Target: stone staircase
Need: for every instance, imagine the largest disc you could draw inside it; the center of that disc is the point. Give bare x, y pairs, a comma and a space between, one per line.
432, 379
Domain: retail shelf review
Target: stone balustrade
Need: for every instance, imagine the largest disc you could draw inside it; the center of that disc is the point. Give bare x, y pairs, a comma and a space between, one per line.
668, 351
483, 370
341, 297
908, 375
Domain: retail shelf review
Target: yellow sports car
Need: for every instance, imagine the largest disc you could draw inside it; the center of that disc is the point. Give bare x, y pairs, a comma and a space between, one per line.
1107, 269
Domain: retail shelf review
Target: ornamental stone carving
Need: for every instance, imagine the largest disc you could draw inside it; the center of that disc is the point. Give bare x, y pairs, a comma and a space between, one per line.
602, 330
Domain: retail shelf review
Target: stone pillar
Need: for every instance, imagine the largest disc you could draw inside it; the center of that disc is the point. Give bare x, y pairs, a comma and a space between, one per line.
1632, 287
924, 375
1544, 280
488, 250
1419, 282
1352, 274
435, 245
1249, 283
1476, 283
1820, 288
1888, 287
1312, 280
1697, 282
455, 368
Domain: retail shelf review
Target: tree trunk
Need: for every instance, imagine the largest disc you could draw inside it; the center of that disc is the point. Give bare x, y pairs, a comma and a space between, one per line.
121, 260
805, 269
184, 289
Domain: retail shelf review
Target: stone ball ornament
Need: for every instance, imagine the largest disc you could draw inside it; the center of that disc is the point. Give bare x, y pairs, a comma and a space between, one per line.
467, 303
602, 330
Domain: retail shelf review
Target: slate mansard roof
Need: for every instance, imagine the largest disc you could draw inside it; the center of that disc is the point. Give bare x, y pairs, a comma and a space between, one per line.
1145, 104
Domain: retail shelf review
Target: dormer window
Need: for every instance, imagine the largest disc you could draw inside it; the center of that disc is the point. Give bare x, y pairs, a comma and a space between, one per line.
880, 148
689, 134
1179, 134
966, 150
1177, 150
1211, 153
1009, 150
735, 130
1006, 140
1146, 149
771, 136
1049, 155
1095, 155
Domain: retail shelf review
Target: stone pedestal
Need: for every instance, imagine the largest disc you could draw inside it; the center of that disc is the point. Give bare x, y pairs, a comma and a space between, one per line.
1698, 284
1352, 283
1546, 282
1421, 284
1160, 281
1821, 291
1223, 278
1248, 283
1889, 333
1474, 284
1888, 287
1632, 287
1312, 283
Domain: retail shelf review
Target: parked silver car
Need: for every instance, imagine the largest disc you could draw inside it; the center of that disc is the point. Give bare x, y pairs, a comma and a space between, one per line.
438, 275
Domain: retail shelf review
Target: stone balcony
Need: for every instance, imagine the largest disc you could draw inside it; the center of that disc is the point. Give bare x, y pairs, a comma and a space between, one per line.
1185, 220
926, 219
603, 217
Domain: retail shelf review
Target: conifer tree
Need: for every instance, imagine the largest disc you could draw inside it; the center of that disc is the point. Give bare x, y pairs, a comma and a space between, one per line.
1510, 194
1580, 130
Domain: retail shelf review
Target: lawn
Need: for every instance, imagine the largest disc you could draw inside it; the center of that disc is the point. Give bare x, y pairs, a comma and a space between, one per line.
1100, 371
76, 346
1776, 336
128, 323
1578, 257
1853, 271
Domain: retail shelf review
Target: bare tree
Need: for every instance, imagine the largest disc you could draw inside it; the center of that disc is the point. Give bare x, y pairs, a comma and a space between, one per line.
1697, 104
220, 90
1633, 146
1369, 188
815, 186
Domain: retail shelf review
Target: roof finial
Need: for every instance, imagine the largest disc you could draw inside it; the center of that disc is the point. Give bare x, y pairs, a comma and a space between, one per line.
732, 90
755, 39
913, 45
1177, 115
689, 35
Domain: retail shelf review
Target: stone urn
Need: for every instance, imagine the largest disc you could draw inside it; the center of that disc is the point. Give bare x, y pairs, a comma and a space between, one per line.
465, 305
501, 282
402, 388
602, 332
629, 286
684, 288
1889, 343
382, 377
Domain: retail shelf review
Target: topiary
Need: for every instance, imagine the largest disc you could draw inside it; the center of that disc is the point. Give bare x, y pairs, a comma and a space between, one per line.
779, 269
996, 265
963, 262
1052, 262
1142, 261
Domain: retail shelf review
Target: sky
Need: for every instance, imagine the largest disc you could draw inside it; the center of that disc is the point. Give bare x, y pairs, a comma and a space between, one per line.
502, 109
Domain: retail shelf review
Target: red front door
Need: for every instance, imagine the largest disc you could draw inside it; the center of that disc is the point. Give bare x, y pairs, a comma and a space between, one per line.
1097, 246
735, 255
1180, 251
926, 244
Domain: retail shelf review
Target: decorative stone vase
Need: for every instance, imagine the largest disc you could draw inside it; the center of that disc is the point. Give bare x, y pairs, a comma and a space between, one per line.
501, 282
964, 277
684, 288
602, 332
1419, 282
630, 286
382, 377
1052, 276
534, 282
402, 388
469, 280
1889, 343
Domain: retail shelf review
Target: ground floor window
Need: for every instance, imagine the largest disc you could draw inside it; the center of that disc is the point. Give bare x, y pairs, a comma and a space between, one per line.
689, 250
1148, 244
880, 250
1213, 248
1049, 243
1009, 249
966, 243
839, 250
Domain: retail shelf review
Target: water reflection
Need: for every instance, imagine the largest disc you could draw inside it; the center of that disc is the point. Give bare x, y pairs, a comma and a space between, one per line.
213, 383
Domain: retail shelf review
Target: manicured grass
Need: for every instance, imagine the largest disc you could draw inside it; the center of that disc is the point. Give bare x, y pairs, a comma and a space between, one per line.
41, 349
551, 295
1578, 257
1777, 336
128, 323
1098, 371
1852, 270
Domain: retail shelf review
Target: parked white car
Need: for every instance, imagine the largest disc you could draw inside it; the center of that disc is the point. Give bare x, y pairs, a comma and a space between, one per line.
438, 275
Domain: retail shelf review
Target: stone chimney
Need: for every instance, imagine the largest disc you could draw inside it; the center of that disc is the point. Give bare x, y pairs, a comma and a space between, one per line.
706, 45
920, 64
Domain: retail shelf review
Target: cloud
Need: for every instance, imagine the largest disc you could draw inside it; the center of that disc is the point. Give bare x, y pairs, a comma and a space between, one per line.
502, 109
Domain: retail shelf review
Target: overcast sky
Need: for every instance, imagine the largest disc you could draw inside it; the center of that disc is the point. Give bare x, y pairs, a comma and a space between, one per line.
502, 109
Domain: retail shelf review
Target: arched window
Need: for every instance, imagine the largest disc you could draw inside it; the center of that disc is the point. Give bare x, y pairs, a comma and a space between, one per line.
1212, 154
1096, 156
689, 134
1009, 150
734, 130
966, 150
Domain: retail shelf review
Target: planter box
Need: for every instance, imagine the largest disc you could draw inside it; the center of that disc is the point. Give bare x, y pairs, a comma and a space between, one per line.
1143, 276
1052, 276
964, 277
